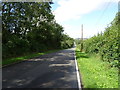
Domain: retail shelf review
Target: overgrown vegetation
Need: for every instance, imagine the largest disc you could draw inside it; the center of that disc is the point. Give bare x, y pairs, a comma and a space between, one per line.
99, 61
95, 73
30, 27
106, 44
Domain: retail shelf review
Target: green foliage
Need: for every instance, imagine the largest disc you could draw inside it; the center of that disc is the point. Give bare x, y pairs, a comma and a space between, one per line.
95, 73
77, 41
30, 27
67, 42
105, 44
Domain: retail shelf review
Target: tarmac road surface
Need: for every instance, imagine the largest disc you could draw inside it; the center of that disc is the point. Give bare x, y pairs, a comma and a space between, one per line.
54, 70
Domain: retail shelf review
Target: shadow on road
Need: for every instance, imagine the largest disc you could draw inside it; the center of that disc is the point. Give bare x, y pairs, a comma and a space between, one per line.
55, 70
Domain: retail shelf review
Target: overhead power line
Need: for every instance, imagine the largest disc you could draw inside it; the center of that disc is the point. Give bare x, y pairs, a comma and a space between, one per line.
101, 16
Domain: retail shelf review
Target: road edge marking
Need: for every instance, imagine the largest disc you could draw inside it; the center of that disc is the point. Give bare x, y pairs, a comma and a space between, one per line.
77, 71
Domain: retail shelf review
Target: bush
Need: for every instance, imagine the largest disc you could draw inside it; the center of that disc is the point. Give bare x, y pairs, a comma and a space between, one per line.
105, 44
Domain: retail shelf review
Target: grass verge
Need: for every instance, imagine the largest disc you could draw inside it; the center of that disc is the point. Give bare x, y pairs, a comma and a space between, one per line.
95, 73
25, 57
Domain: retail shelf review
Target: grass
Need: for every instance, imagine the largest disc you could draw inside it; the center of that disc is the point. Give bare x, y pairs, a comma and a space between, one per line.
25, 57
95, 73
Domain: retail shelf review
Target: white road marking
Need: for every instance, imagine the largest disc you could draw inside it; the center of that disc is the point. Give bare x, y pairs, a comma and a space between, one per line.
78, 75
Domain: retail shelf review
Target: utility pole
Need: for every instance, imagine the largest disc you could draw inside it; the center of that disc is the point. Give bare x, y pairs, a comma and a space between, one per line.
81, 38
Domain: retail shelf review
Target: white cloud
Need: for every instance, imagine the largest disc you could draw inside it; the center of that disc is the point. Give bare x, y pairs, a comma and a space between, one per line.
69, 10
74, 9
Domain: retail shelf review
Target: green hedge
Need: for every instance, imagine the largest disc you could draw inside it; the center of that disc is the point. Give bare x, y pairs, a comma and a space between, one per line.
105, 44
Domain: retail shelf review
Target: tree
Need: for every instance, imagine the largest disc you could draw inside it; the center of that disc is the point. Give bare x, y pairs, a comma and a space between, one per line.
30, 27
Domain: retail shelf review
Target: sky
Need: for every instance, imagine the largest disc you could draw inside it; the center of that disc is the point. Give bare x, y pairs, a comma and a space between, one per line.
95, 15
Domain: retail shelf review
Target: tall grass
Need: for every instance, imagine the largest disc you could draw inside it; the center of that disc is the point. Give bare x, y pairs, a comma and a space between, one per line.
95, 73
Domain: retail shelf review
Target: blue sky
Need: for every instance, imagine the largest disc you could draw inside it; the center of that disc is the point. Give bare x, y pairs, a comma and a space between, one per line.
95, 15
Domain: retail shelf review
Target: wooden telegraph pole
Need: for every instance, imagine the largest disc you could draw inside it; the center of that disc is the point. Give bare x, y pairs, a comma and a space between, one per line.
81, 38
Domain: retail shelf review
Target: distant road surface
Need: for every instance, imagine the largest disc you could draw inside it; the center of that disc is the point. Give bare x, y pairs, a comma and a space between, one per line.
54, 70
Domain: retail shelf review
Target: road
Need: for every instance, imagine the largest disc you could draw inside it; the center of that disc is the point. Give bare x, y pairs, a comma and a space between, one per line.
54, 70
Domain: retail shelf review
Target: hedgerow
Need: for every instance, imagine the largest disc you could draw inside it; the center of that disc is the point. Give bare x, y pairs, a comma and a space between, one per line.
106, 44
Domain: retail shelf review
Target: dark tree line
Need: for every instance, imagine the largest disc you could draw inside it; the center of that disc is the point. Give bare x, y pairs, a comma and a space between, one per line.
30, 27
